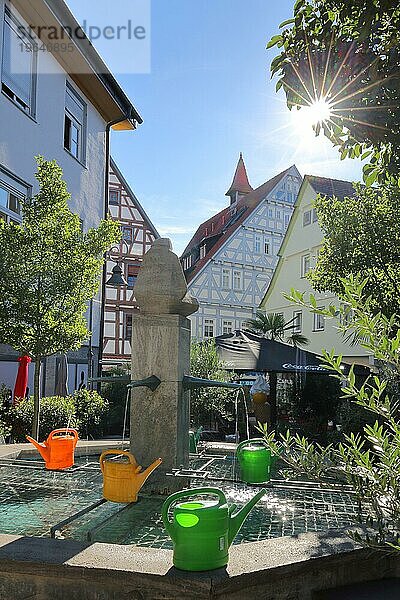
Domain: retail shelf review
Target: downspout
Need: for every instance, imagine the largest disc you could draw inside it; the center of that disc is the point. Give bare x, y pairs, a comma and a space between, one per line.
106, 207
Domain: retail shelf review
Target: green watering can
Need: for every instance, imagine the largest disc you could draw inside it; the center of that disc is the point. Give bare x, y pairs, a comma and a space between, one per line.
203, 530
255, 461
194, 438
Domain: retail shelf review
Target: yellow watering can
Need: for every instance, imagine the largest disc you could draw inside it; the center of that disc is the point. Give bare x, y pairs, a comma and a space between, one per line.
123, 480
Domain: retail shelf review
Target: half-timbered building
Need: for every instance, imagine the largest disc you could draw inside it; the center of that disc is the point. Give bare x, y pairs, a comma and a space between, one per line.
231, 258
138, 234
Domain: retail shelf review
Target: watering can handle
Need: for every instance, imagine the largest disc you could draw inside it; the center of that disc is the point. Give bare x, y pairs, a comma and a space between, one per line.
64, 431
240, 447
186, 494
118, 452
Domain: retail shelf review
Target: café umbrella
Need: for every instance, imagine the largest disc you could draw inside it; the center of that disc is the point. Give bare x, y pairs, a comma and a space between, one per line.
21, 382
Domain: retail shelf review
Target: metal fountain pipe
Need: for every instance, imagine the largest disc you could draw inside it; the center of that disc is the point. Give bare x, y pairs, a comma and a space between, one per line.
150, 382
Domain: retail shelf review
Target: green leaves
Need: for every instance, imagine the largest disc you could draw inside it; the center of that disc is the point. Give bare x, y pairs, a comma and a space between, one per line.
274, 40
49, 270
352, 50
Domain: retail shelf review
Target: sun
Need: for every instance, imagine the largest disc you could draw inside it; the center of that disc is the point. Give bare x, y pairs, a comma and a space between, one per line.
307, 120
318, 112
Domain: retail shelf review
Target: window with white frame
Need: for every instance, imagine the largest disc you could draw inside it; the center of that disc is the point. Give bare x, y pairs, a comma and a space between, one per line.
305, 264
75, 124
128, 234
257, 244
187, 262
11, 194
278, 214
267, 247
227, 327
208, 328
270, 213
226, 278
297, 321
203, 251
319, 320
113, 197
18, 69
127, 326
306, 218
237, 280
287, 219
314, 215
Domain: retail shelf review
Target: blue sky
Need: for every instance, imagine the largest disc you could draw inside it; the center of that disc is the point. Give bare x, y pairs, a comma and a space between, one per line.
207, 98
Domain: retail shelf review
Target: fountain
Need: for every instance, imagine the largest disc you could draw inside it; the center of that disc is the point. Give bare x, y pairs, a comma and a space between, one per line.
298, 561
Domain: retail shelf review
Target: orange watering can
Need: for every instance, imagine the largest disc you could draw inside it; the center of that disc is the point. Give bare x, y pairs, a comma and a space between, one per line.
58, 450
123, 480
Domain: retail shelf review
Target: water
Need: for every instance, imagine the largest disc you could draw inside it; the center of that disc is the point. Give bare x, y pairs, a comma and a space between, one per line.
32, 500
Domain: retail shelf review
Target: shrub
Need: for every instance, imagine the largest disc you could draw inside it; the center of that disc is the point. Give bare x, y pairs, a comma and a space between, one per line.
85, 411
55, 412
115, 392
91, 410
5, 407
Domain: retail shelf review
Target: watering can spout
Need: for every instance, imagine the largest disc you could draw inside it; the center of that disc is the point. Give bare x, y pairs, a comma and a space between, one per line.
42, 448
237, 520
143, 475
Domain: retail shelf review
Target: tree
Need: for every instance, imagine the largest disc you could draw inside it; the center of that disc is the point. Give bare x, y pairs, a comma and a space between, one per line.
369, 462
208, 403
361, 236
274, 327
49, 270
346, 56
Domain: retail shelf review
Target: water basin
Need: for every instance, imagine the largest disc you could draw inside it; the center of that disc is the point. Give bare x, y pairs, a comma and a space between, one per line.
33, 501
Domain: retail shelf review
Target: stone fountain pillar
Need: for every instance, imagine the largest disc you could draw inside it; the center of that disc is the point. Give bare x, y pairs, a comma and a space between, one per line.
161, 347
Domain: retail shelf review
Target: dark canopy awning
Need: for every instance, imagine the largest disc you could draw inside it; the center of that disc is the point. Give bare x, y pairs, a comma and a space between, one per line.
243, 351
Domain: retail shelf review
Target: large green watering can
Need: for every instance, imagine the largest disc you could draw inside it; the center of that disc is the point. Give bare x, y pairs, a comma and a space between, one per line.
255, 461
202, 530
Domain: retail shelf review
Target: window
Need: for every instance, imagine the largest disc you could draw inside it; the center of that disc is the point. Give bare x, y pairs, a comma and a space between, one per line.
187, 262
287, 219
128, 326
319, 321
18, 72
257, 244
307, 218
208, 328
75, 124
297, 321
237, 280
267, 246
278, 214
131, 276
227, 327
128, 234
226, 278
203, 251
270, 213
347, 316
314, 215
114, 197
10, 207
305, 264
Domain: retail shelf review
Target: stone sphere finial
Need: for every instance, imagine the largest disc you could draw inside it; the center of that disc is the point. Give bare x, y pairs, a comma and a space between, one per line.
161, 286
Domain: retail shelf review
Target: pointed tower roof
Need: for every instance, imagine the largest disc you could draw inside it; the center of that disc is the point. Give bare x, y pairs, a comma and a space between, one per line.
240, 181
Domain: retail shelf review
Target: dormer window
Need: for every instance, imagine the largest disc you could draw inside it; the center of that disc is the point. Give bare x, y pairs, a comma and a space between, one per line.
206, 232
187, 262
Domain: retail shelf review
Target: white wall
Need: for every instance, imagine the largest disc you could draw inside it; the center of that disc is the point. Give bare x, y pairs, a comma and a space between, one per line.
301, 240
22, 138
